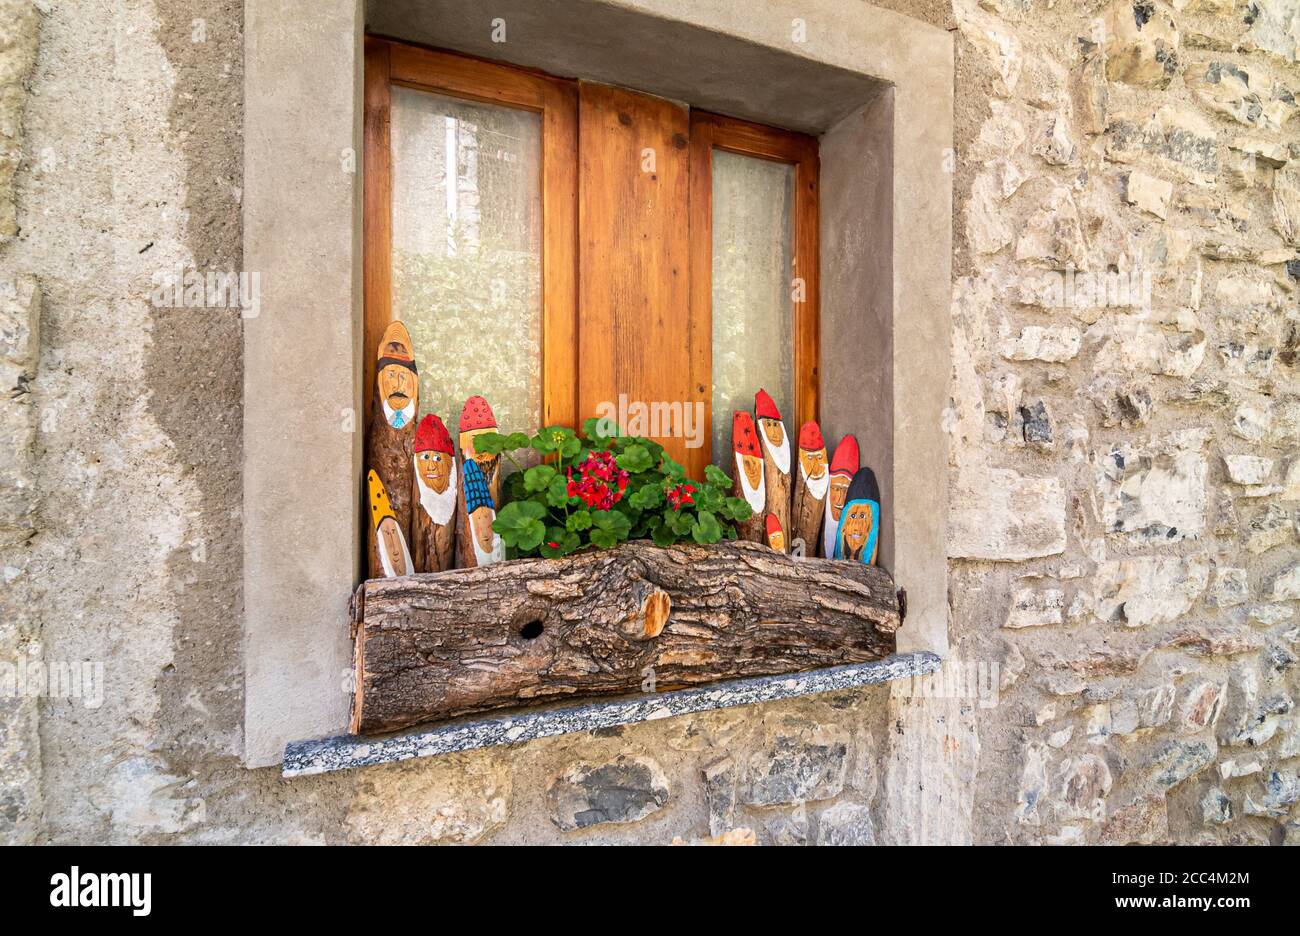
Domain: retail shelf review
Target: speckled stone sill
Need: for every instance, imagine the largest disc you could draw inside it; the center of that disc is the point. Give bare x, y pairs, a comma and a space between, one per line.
324, 755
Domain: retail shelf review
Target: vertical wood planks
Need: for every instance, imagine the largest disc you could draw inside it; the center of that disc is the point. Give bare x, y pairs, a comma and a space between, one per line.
633, 191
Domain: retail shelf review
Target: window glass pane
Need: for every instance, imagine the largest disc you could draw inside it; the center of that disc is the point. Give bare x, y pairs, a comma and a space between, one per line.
753, 316
467, 213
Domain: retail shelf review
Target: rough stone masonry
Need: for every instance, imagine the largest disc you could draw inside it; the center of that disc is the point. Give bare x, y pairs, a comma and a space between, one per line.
1125, 469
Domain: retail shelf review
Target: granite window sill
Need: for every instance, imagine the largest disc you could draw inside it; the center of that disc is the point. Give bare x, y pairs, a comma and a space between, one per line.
343, 752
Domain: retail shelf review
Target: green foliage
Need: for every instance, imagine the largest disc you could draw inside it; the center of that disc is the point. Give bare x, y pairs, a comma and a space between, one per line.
520, 525
580, 497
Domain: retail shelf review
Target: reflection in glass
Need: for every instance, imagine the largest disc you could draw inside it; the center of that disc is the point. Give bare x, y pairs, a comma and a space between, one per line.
753, 316
467, 213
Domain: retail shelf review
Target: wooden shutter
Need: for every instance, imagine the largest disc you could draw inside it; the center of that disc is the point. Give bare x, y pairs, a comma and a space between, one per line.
636, 321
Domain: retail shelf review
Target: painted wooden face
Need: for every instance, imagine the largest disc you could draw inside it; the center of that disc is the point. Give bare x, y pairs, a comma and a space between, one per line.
856, 527
480, 522
434, 468
398, 386
391, 535
814, 464
776, 539
774, 431
839, 491
753, 467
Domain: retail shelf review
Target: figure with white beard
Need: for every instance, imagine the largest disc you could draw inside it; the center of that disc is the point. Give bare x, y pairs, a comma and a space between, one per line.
433, 528
776, 462
811, 481
477, 543
390, 544
844, 465
747, 482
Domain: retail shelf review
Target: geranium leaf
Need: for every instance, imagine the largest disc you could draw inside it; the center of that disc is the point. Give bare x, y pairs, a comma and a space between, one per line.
538, 478
491, 443
715, 475
738, 509
663, 535
636, 458
706, 529
557, 494
559, 542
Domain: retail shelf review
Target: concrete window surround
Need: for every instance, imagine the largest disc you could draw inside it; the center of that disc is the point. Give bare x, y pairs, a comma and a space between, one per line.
876, 86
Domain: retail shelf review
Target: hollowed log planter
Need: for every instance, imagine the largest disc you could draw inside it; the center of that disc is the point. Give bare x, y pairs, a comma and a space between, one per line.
604, 623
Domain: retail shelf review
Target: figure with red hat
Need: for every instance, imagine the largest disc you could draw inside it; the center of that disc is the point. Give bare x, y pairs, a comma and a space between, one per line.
775, 535
776, 460
434, 524
747, 482
476, 418
810, 483
844, 465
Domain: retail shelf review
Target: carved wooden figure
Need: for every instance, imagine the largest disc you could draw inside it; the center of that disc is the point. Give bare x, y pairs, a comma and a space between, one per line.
747, 481
477, 544
811, 479
390, 436
775, 535
858, 537
433, 526
776, 461
390, 544
843, 465
476, 418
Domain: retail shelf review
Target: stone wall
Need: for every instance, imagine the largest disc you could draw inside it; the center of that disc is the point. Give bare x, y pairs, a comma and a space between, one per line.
20, 315
1125, 444
1125, 475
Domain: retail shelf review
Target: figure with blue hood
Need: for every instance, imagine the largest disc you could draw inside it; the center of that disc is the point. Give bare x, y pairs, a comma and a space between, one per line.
478, 544
858, 536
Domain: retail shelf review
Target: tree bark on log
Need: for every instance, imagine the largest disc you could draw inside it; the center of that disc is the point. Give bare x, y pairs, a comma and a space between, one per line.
435, 646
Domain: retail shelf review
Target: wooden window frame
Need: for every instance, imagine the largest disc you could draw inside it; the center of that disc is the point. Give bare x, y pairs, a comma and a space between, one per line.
714, 131
389, 63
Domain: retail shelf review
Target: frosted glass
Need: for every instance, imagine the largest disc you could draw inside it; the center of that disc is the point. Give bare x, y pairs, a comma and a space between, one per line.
753, 316
467, 214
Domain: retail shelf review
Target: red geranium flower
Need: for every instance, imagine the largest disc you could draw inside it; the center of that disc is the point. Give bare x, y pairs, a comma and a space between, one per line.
600, 483
681, 495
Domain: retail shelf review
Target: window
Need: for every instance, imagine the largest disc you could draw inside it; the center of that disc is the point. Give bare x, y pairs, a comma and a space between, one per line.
877, 92
470, 217
754, 234
570, 249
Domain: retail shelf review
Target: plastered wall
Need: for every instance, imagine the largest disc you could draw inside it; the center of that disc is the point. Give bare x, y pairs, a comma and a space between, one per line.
1123, 519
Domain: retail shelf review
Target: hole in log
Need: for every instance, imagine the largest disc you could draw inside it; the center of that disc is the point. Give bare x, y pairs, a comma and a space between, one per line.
532, 630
